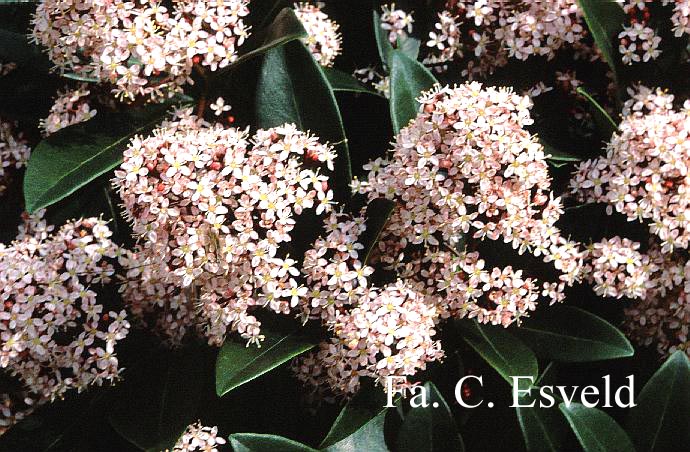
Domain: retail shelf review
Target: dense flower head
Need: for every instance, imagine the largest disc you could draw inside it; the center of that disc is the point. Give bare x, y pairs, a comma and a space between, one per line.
465, 168
388, 333
644, 173
492, 31
396, 22
199, 438
143, 48
70, 107
55, 334
212, 211
661, 314
14, 152
617, 268
323, 38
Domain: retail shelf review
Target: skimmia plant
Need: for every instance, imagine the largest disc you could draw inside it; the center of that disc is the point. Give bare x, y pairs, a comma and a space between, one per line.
258, 225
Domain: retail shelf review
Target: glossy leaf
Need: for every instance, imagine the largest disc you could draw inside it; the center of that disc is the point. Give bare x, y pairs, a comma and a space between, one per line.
76, 155
430, 429
368, 437
595, 430
569, 334
160, 397
544, 429
504, 352
342, 81
238, 364
365, 406
285, 27
605, 20
661, 419
382, 43
408, 79
293, 88
255, 442
409, 46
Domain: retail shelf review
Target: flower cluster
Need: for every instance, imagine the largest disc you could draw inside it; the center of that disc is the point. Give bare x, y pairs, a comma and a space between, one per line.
14, 152
644, 173
388, 333
638, 41
199, 438
465, 167
55, 335
6, 68
323, 40
71, 107
396, 22
493, 31
379, 82
142, 48
681, 16
211, 214
661, 315
617, 269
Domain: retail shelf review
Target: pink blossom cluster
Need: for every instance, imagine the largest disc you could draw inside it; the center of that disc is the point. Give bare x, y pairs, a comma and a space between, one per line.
465, 168
212, 214
370, 76
142, 48
14, 152
680, 17
638, 41
492, 31
661, 315
55, 335
396, 22
617, 268
644, 173
199, 438
388, 333
14, 406
70, 107
324, 40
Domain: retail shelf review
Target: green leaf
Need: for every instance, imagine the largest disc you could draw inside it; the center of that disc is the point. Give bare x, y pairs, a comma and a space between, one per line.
605, 20
601, 116
378, 213
430, 429
368, 438
293, 88
661, 419
409, 46
595, 430
571, 335
342, 81
408, 79
382, 43
285, 27
159, 398
76, 155
80, 78
504, 352
255, 442
360, 410
544, 429
238, 364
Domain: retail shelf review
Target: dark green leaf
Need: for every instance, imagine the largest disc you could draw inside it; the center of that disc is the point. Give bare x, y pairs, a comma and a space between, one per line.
595, 430
605, 20
238, 364
377, 215
409, 46
382, 43
159, 398
285, 27
80, 78
292, 88
364, 407
76, 155
504, 352
569, 334
255, 442
368, 438
661, 419
544, 429
430, 429
408, 79
341, 81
